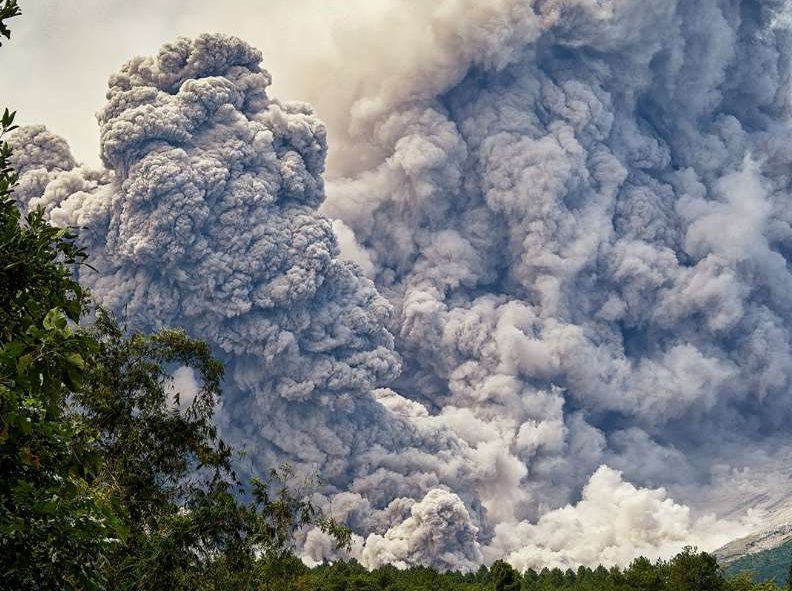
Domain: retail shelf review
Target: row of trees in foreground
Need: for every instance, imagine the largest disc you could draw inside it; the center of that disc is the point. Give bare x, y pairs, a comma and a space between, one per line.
109, 481
687, 571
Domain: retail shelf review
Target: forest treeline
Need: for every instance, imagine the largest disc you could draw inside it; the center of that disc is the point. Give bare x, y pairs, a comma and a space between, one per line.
689, 570
111, 481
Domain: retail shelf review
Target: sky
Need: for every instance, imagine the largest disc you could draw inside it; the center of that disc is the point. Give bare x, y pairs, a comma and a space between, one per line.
75, 46
512, 276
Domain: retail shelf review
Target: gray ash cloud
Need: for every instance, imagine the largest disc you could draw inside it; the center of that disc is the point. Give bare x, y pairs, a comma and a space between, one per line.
561, 282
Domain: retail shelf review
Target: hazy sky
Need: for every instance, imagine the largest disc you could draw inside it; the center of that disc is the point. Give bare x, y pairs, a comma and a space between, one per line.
55, 68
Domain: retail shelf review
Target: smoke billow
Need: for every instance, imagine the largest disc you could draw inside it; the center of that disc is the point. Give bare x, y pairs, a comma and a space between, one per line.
586, 246
554, 281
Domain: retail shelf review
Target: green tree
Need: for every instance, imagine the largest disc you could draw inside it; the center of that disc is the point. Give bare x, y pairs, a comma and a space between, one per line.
57, 522
504, 576
742, 581
172, 474
693, 571
8, 10
642, 575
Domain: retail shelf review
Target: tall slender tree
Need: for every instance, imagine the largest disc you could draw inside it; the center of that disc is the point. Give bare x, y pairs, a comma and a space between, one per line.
57, 523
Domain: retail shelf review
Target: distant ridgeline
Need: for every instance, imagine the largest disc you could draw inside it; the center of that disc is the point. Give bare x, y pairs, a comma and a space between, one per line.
767, 565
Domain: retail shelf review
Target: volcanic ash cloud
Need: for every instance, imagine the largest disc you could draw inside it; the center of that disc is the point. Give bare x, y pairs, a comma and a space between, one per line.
585, 236
567, 251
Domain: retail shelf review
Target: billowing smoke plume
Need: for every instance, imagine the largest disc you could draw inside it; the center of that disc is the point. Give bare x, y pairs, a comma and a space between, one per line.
612, 524
556, 280
585, 237
438, 526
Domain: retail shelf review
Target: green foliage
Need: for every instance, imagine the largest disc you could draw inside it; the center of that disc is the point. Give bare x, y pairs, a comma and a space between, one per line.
57, 522
774, 564
692, 571
8, 10
151, 446
504, 577
684, 569
172, 475
642, 575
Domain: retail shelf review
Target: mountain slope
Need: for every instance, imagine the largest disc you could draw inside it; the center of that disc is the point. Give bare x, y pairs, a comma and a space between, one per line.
769, 539
765, 565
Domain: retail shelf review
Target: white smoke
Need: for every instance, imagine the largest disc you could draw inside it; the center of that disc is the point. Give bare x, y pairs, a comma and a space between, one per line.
612, 524
573, 217
185, 386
